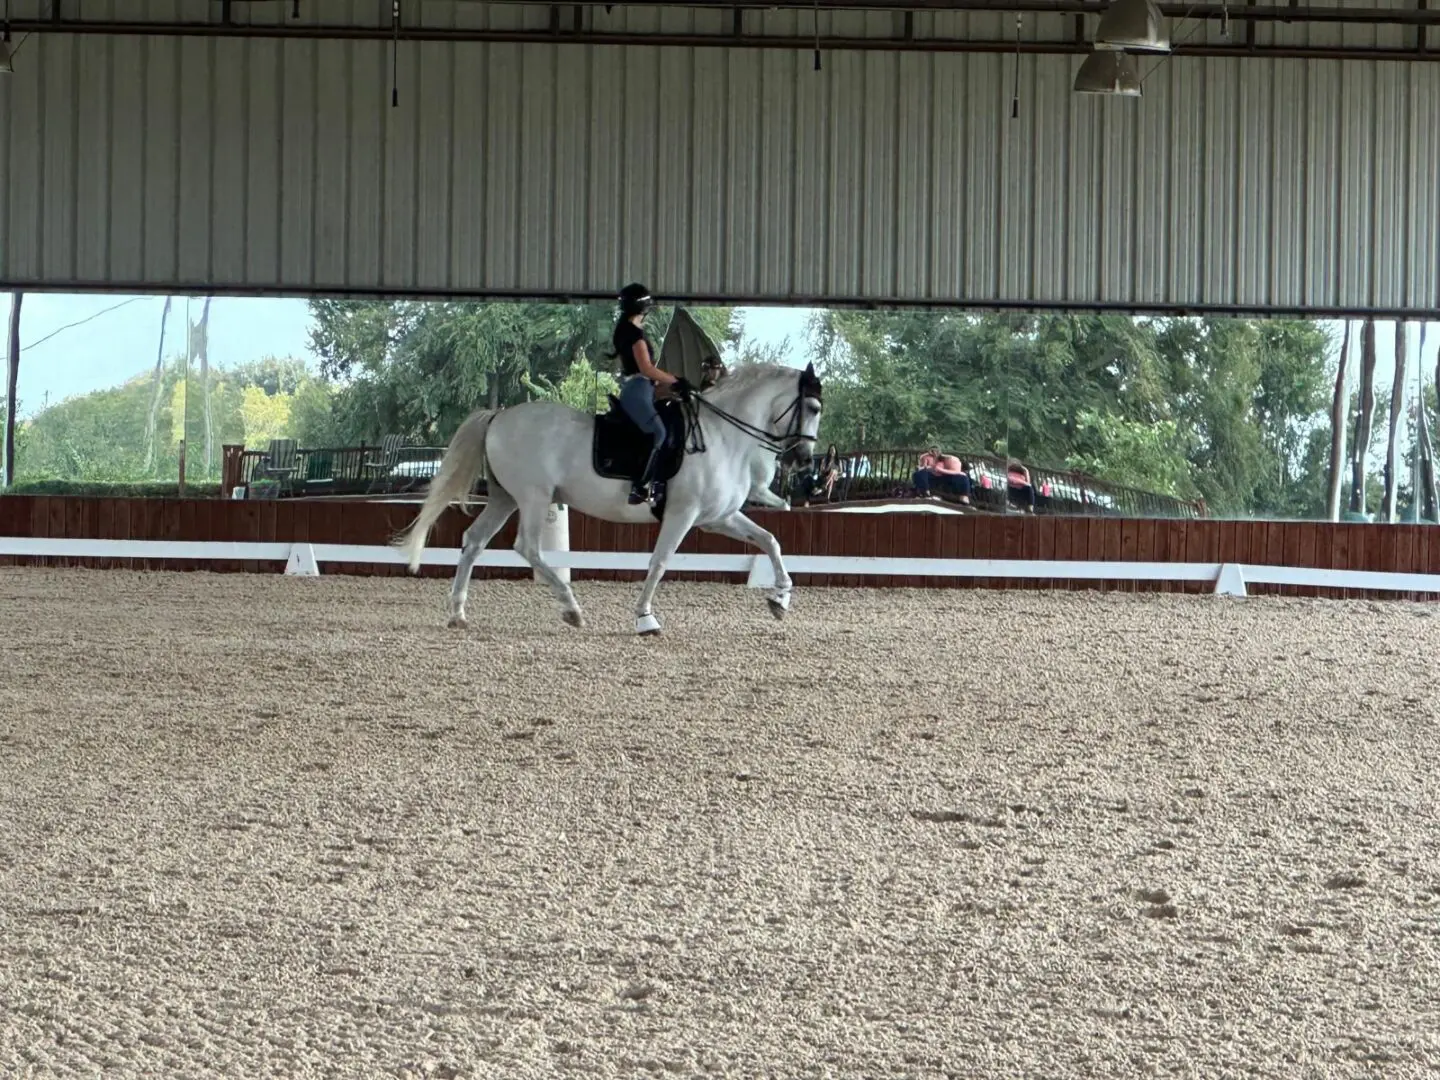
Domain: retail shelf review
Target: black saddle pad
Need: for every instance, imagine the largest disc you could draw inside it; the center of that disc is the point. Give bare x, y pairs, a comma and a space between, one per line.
621, 449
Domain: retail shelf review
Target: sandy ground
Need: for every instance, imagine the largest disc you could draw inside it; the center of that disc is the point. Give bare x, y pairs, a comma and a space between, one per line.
253, 826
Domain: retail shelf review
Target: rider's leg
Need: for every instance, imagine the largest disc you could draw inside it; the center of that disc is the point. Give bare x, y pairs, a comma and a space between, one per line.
637, 398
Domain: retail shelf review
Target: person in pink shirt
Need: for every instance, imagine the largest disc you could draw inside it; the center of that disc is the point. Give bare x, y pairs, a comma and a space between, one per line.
1019, 485
944, 471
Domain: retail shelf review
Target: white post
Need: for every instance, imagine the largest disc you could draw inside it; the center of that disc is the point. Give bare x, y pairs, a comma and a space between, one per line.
556, 536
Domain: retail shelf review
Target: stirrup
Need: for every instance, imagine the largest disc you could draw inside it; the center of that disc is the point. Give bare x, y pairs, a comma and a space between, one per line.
643, 490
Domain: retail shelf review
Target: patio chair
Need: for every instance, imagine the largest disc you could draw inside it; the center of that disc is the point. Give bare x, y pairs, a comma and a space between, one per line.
374, 466
280, 463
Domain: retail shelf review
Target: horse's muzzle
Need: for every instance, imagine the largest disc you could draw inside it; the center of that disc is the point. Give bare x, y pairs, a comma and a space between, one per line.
800, 452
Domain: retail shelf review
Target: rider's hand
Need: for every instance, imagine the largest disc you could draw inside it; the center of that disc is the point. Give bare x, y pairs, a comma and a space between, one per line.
682, 387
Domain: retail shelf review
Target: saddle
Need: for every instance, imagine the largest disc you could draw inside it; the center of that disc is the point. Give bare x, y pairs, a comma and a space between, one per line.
621, 449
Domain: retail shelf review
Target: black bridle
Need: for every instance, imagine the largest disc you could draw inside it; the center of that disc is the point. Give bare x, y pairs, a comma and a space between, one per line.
770, 440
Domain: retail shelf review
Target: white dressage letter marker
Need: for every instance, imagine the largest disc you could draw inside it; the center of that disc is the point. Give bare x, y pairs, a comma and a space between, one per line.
1231, 581
762, 574
302, 562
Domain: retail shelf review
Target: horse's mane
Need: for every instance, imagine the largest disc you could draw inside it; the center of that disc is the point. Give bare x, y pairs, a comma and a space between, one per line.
742, 378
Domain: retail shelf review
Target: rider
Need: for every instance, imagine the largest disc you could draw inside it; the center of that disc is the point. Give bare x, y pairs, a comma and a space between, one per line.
638, 378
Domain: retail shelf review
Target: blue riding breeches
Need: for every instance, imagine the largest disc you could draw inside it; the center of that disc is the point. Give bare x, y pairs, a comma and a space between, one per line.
637, 398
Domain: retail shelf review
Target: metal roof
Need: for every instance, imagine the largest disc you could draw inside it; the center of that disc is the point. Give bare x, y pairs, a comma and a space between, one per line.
151, 145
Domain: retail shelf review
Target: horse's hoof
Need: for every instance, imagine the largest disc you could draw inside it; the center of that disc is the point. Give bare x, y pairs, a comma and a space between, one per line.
457, 622
647, 626
573, 618
776, 608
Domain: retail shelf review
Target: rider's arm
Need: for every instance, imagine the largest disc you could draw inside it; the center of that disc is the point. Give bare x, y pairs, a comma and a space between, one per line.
649, 370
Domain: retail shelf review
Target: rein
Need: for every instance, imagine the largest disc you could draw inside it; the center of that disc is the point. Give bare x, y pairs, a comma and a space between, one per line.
768, 439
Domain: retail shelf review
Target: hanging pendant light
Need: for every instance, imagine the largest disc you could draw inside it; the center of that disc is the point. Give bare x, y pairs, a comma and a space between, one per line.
1106, 72
1133, 25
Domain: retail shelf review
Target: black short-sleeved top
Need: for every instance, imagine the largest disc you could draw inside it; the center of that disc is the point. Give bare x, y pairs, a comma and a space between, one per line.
627, 334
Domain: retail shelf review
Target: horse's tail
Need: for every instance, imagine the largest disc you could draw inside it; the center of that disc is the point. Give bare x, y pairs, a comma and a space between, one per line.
462, 464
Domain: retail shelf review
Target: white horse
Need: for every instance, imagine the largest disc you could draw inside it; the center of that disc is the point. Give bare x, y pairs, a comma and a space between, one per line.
540, 453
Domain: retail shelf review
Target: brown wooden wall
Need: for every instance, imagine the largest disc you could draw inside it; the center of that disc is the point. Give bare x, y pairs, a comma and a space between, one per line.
1409, 548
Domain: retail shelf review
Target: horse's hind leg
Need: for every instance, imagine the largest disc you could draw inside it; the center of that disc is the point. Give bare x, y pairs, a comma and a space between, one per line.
498, 508
527, 542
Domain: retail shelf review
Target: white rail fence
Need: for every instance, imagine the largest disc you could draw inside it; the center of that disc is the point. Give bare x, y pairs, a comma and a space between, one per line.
305, 560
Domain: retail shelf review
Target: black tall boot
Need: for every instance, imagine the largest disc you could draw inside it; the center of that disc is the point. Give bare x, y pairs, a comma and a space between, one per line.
639, 491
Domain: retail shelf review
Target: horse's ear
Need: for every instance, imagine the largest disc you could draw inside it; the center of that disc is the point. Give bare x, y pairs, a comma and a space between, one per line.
809, 381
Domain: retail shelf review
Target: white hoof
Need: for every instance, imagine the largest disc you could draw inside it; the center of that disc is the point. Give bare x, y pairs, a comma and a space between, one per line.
779, 603
647, 625
457, 622
572, 617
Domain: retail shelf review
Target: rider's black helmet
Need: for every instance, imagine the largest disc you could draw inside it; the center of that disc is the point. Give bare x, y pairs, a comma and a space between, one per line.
635, 299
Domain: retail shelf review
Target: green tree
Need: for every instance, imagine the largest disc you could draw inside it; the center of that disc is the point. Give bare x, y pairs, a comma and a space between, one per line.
271, 374
985, 384
419, 369
1130, 452
104, 436
97, 437
582, 388
263, 416
1225, 408
316, 416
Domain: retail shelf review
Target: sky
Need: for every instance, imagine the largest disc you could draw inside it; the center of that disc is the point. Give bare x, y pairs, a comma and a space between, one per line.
75, 344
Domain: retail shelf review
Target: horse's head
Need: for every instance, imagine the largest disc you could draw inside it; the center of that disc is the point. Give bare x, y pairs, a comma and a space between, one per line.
805, 430
779, 401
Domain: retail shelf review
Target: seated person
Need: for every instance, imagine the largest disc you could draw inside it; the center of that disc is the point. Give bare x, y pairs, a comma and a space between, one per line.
922, 476
804, 484
829, 472
962, 482
1017, 483
943, 471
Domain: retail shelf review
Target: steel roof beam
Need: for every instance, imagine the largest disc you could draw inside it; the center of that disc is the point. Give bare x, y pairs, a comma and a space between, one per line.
1393, 15
718, 40
1386, 15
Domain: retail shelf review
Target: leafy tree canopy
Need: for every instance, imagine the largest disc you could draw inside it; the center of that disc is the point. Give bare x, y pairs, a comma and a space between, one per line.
1227, 409
1232, 410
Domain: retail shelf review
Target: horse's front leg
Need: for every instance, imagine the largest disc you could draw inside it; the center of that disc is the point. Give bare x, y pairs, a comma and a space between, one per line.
762, 494
739, 527
672, 531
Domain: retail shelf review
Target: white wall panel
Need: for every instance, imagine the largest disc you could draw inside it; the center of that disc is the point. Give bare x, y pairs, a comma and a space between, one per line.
180, 163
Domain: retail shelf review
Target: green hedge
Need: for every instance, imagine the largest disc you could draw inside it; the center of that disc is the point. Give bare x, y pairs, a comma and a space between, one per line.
115, 490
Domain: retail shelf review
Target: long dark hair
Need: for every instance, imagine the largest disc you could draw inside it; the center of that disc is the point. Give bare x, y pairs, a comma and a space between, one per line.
614, 353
